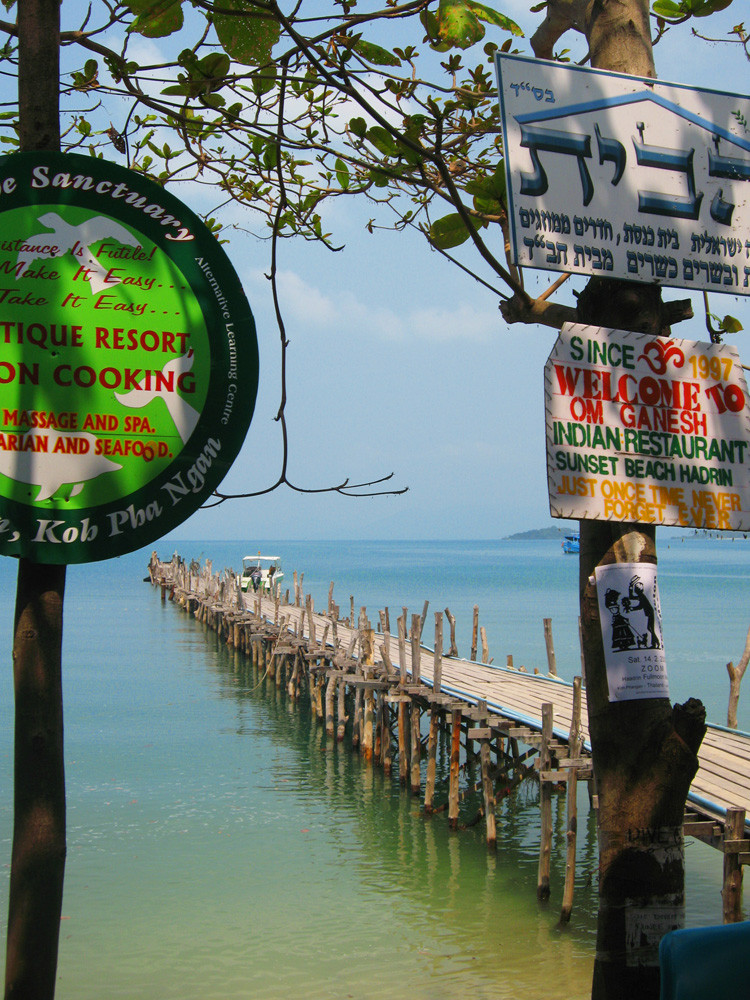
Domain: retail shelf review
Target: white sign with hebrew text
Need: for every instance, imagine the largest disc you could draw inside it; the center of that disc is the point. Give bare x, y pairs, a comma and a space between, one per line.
626, 177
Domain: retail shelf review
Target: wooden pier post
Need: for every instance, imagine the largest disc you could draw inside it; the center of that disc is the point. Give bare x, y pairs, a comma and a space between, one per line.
731, 894
417, 622
453, 649
318, 681
416, 749
330, 686
403, 741
368, 725
570, 840
545, 806
416, 634
453, 781
474, 634
358, 713
437, 662
401, 622
385, 739
485, 647
341, 705
432, 741
378, 734
488, 790
571, 835
550, 646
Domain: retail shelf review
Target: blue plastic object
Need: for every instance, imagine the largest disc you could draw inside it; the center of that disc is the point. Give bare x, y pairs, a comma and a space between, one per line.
706, 963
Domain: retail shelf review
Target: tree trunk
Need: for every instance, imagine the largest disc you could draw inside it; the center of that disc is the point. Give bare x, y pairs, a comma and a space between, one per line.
644, 756
38, 854
644, 752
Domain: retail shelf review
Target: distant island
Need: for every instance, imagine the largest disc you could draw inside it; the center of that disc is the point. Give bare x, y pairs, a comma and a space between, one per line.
556, 532
540, 534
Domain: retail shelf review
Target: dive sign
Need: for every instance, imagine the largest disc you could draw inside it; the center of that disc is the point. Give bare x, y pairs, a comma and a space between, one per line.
128, 360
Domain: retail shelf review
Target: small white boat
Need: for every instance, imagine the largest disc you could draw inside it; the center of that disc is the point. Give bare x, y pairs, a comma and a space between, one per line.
261, 573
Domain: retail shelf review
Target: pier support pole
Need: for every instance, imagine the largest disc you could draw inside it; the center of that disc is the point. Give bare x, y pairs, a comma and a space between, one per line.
545, 806
571, 836
358, 714
488, 790
731, 894
368, 725
416, 750
403, 717
341, 711
432, 741
454, 767
330, 686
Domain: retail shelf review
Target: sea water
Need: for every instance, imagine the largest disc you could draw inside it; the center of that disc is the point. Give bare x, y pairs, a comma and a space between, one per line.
220, 847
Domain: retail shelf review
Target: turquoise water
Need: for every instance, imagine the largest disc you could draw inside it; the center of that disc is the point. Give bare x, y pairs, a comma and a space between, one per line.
217, 847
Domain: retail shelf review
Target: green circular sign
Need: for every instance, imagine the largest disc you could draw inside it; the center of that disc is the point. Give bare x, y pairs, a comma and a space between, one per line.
128, 359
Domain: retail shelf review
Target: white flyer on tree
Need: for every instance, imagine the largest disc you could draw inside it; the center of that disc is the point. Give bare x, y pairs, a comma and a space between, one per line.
630, 616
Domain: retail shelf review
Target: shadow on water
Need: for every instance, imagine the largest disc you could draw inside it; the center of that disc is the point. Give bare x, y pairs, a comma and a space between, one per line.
429, 896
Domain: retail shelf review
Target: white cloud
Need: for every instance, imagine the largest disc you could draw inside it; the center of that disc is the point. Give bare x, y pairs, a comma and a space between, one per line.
461, 323
304, 303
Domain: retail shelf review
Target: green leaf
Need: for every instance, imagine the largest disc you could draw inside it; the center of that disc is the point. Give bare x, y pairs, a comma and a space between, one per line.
731, 325
491, 187
264, 80
359, 127
678, 10
668, 9
430, 24
248, 38
179, 89
458, 25
448, 232
155, 18
382, 140
375, 54
89, 78
342, 174
214, 66
706, 7
378, 178
495, 18
213, 100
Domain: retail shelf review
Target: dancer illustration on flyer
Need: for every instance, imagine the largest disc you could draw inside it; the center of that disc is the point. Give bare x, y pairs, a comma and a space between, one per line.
634, 618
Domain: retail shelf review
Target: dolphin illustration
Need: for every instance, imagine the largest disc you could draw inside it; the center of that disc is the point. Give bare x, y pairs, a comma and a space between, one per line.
185, 417
66, 236
49, 469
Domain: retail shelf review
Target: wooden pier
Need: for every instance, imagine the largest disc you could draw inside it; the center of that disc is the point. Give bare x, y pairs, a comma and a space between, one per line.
393, 696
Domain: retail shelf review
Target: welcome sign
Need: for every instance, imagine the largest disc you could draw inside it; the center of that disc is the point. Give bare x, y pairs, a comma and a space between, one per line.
647, 429
128, 359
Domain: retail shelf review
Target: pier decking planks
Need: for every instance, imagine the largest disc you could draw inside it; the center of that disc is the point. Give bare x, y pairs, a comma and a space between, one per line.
500, 700
724, 774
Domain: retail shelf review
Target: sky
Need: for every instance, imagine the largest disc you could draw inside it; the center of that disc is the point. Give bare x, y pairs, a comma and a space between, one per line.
400, 363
